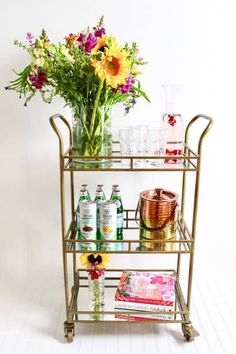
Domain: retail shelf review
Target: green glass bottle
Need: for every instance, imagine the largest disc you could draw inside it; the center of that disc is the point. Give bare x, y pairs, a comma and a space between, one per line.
85, 187
100, 187
83, 196
120, 213
99, 198
114, 187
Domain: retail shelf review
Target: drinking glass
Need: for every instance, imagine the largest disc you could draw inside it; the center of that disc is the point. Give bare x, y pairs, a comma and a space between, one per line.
128, 143
142, 141
156, 145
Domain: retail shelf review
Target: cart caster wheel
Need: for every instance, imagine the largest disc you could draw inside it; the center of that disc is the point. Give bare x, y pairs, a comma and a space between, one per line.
189, 331
69, 336
69, 331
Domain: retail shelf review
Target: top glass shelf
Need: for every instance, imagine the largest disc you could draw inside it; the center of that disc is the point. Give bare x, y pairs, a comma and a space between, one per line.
186, 162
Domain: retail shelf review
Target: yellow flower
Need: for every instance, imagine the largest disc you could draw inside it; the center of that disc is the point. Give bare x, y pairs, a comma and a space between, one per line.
105, 261
84, 259
136, 72
103, 42
113, 66
47, 45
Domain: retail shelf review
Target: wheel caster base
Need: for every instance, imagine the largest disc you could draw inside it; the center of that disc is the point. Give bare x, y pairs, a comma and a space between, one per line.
189, 331
69, 331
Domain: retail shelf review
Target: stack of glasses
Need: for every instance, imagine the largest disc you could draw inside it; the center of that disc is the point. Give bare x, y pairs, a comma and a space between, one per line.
142, 140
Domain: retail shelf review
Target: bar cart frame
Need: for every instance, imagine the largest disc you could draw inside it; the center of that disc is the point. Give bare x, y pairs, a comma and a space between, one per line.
184, 243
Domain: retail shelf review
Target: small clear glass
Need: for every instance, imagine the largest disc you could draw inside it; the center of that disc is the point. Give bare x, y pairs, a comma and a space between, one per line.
128, 143
142, 141
156, 145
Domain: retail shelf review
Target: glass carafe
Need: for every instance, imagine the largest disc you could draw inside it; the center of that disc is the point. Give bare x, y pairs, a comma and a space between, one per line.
172, 121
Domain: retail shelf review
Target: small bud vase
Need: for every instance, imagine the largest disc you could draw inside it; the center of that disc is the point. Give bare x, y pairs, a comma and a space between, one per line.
96, 296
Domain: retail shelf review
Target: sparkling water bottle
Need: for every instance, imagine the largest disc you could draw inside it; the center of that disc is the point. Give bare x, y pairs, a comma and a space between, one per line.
99, 198
100, 187
120, 213
85, 187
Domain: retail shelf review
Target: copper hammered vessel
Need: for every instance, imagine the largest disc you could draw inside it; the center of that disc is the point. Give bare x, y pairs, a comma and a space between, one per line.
157, 208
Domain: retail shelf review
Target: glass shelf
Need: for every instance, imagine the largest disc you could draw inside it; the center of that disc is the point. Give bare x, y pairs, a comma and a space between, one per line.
79, 302
133, 240
116, 162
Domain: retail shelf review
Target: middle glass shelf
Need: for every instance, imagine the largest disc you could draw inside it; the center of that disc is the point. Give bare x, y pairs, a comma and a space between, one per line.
135, 239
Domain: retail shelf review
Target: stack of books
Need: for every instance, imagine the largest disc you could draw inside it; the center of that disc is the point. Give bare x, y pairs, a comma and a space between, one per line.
145, 292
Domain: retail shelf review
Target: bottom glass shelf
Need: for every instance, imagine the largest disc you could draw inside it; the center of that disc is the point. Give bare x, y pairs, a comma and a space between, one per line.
79, 302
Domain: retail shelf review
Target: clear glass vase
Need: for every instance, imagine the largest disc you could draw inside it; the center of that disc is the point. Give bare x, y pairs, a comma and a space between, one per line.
96, 296
172, 122
92, 135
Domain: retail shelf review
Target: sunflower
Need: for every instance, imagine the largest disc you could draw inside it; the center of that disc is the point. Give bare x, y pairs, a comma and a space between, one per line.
114, 67
89, 259
104, 42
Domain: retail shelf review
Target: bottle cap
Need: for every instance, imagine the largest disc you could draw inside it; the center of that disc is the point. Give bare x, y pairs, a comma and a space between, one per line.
99, 191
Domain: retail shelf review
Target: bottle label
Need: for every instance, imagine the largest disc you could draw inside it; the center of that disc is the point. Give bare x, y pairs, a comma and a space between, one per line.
88, 220
120, 220
108, 221
118, 203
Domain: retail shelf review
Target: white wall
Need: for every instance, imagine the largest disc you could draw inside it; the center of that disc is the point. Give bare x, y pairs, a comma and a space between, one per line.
192, 42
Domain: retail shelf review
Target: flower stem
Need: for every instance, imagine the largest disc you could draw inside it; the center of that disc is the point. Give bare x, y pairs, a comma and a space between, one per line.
91, 127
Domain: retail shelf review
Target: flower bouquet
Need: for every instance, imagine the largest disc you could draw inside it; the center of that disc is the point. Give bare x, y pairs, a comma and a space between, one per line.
91, 72
95, 265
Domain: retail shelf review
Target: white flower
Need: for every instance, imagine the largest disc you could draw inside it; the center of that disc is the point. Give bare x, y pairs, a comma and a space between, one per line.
65, 52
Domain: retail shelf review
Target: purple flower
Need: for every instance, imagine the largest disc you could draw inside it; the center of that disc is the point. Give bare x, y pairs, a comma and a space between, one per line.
29, 36
99, 32
38, 80
81, 38
90, 43
127, 87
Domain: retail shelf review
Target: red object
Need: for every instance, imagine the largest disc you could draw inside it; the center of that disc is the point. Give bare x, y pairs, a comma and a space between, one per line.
171, 120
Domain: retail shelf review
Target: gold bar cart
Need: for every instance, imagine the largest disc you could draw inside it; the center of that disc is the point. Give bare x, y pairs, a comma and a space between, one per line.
75, 280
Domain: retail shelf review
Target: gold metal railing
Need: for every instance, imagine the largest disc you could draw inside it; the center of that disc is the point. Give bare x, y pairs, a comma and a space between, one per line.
184, 243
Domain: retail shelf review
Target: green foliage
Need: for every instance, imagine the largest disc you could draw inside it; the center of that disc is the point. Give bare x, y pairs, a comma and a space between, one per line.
66, 69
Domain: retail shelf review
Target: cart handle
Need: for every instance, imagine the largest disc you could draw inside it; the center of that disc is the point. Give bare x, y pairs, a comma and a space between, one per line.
204, 133
57, 131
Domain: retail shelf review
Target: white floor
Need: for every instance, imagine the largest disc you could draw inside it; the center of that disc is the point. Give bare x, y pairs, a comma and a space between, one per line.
32, 316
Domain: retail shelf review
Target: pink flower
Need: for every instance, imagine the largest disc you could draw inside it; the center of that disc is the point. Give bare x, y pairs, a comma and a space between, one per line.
127, 87
99, 32
29, 36
90, 43
38, 80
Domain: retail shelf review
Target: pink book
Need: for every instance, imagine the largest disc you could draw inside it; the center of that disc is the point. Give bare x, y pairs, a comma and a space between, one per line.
146, 288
